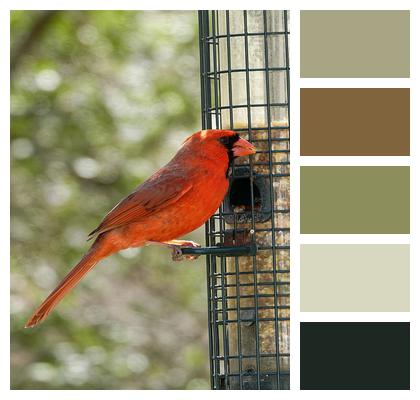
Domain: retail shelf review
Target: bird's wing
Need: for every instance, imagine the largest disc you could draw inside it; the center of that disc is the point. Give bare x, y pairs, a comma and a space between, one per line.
156, 193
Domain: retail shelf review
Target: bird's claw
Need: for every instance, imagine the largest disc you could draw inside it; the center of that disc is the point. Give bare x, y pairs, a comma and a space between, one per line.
177, 251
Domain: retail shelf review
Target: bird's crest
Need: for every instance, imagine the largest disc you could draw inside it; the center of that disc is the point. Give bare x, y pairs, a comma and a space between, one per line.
215, 133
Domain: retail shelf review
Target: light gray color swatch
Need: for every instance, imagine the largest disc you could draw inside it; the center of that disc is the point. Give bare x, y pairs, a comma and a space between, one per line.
362, 277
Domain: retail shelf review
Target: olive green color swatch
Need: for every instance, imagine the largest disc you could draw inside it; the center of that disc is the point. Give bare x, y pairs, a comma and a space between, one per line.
355, 122
357, 199
355, 44
355, 277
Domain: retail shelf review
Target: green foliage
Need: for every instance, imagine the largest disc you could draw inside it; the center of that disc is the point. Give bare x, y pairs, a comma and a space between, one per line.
100, 99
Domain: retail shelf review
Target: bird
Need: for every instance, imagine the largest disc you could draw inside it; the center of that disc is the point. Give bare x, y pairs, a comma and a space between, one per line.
174, 201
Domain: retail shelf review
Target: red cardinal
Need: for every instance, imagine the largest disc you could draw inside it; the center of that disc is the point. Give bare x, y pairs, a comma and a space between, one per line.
174, 201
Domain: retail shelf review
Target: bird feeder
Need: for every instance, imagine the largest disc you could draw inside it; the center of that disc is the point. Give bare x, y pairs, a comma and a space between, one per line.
244, 60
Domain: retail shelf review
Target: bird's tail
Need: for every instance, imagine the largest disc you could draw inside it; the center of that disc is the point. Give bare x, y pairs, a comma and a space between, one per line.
99, 250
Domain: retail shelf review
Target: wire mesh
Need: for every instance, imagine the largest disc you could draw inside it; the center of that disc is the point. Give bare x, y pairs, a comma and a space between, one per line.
244, 61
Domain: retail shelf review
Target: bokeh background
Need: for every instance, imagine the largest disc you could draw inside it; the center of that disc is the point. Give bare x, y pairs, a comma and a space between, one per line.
99, 100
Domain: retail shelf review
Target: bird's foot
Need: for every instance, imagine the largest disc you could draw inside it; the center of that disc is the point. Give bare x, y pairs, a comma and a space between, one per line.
177, 246
177, 253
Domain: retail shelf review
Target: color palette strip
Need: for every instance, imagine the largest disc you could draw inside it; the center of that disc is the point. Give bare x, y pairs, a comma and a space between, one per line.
355, 122
355, 44
355, 355
355, 199
355, 278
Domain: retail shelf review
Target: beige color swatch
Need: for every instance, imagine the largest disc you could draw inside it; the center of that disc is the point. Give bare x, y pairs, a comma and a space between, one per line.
367, 277
355, 44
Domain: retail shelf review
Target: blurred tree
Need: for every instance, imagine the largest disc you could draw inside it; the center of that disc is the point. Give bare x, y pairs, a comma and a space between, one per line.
99, 100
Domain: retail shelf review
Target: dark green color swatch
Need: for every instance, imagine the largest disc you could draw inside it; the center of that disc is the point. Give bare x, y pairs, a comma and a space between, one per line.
355, 44
355, 355
355, 199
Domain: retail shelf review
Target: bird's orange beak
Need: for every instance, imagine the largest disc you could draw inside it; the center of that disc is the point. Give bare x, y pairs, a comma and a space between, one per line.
242, 148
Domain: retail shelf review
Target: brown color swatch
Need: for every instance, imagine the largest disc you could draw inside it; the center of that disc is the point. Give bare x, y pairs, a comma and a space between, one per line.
355, 122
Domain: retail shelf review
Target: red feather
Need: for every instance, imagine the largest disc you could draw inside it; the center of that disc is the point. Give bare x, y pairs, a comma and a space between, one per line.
159, 191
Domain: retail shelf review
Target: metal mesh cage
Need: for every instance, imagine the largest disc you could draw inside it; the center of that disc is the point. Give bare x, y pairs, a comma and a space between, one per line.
244, 64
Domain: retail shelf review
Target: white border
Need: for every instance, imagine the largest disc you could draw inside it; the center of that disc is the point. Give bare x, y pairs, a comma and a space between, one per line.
354, 239
296, 239
355, 160
5, 200
294, 199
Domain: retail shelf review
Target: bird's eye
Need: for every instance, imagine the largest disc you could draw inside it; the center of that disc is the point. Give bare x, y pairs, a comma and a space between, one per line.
224, 140
228, 141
